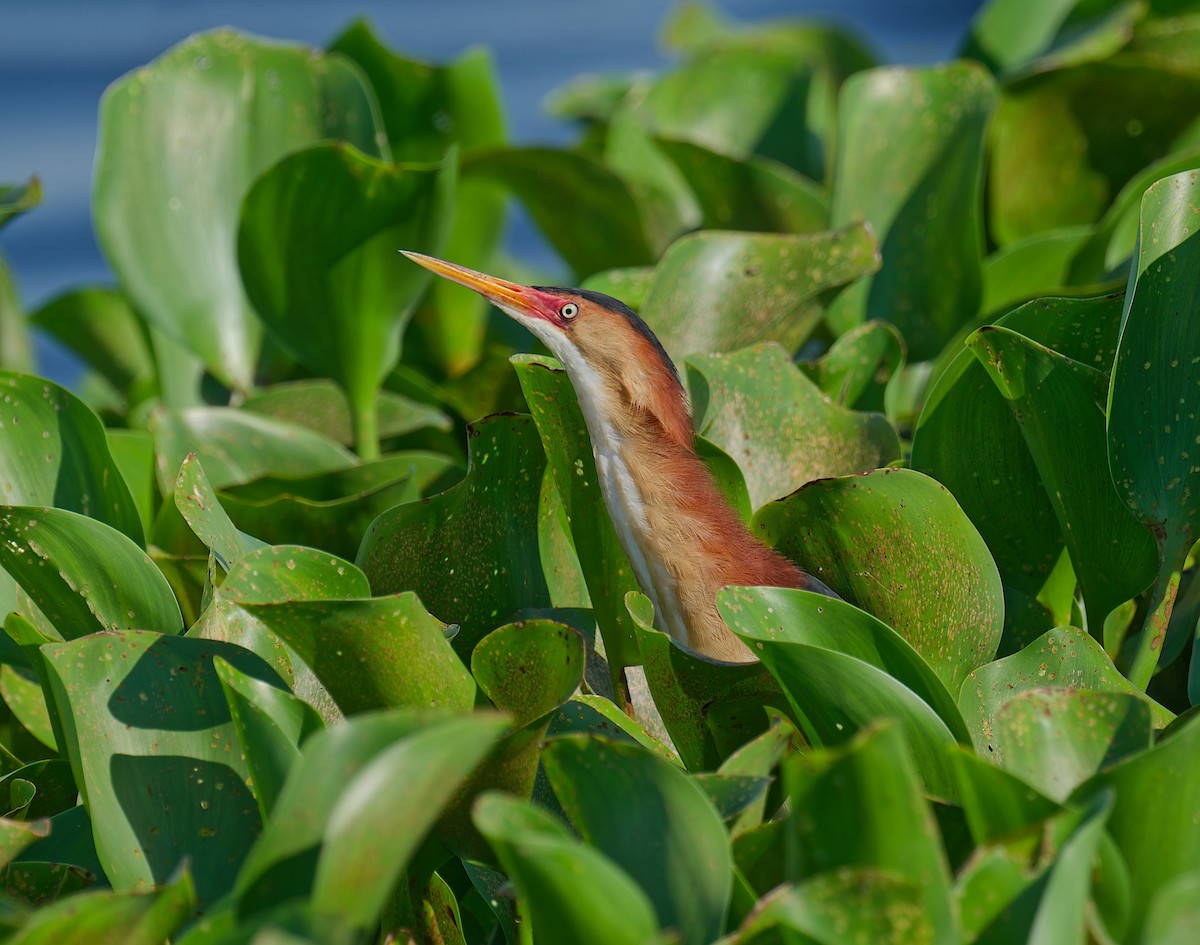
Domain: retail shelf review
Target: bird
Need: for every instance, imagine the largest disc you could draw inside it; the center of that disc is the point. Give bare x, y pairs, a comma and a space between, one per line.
682, 537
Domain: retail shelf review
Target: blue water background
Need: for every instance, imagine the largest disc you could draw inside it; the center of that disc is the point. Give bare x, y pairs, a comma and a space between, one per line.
58, 56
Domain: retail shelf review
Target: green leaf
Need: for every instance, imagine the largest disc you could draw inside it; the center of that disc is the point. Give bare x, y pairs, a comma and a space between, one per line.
755, 194
133, 453
236, 446
113, 918
16, 199
16, 348
1039, 265
16, 835
53, 452
1151, 437
842, 670
1058, 404
166, 204
1005, 35
546, 180
1174, 912
100, 326
997, 805
317, 251
84, 575
149, 738
909, 162
471, 552
1067, 658
381, 652
597, 715
605, 566
271, 724
654, 822
717, 292
569, 888
200, 508
867, 537
782, 430
861, 806
856, 370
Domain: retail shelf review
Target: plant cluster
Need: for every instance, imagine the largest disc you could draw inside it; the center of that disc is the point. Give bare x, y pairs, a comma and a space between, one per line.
283, 662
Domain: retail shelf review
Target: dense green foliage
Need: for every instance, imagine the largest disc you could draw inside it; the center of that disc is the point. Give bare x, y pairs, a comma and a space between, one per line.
284, 662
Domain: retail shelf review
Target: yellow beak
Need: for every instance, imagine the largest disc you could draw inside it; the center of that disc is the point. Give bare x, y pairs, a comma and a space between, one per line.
497, 291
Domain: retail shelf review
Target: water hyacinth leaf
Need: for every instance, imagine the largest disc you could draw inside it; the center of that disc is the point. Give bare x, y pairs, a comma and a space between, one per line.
857, 368
237, 446
755, 194
1153, 426
861, 806
597, 715
321, 405
151, 744
560, 563
546, 180
331, 292
16, 346
780, 428
16, 835
426, 108
1064, 142
1058, 404
271, 724
425, 470
1005, 35
133, 453
630, 284
1055, 739
1067, 658
867, 538
1037, 266
100, 326
836, 694
167, 204
687, 688
201, 509
381, 652
369, 838
1161, 841
568, 887
55, 454
998, 806
16, 199
910, 150
470, 552
21, 689
632, 807
606, 568
718, 291
1174, 911
83, 575
114, 918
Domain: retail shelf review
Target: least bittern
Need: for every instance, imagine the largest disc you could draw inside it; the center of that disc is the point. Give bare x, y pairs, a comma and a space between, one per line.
682, 537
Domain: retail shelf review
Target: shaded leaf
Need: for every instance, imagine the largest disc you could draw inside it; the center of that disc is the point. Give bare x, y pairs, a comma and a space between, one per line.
16, 199
857, 369
200, 508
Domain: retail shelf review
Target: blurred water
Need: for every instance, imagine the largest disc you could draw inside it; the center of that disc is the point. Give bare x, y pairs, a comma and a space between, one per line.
58, 56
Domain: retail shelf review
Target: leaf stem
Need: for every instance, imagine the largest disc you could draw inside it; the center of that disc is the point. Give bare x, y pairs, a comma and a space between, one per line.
1158, 613
365, 414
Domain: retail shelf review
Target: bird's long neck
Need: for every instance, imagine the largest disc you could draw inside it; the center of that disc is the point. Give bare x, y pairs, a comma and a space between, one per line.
682, 538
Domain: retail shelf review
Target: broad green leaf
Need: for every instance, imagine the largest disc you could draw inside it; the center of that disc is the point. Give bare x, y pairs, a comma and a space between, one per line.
1174, 912
201, 509
868, 537
16, 199
910, 156
382, 652
856, 370
293, 923
83, 575
425, 470
100, 326
755, 194
1153, 822
16, 835
16, 347
471, 552
166, 203
997, 805
133, 453
425, 109
22, 692
606, 568
1055, 739
596, 715
271, 724
236, 446
782, 430
1006, 35
369, 837
1067, 658
113, 918
556, 546
757, 759
630, 285
44, 788
1151, 432
1064, 141
590, 96
843, 672
862, 807
546, 181
1058, 404
1039, 265
53, 452
716, 291
317, 252
69, 842
569, 888
654, 822
153, 750
322, 406
689, 689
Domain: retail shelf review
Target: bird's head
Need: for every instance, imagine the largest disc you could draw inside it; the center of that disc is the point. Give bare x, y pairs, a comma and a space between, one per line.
619, 369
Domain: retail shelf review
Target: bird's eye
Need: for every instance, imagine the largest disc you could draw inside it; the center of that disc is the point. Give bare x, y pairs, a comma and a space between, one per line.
569, 311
